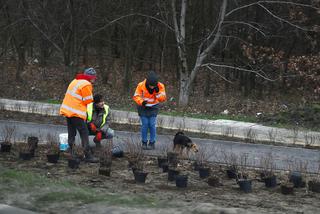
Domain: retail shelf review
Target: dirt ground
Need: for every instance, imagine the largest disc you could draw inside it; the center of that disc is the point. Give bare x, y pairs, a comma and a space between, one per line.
54, 188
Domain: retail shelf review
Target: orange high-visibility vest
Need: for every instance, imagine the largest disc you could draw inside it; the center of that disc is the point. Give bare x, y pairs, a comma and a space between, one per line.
78, 96
141, 94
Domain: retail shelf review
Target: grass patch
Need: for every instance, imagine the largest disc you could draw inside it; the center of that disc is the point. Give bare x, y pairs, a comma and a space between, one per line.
47, 191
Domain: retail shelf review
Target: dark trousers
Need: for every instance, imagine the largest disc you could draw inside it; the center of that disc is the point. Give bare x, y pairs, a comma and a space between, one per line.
74, 124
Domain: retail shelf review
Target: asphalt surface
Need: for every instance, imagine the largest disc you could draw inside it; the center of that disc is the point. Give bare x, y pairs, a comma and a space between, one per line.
282, 156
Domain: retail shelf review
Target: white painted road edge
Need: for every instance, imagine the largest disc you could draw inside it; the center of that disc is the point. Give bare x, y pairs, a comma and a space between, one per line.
230, 128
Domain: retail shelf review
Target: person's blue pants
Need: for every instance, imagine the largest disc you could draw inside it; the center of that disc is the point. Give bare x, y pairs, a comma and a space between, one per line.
148, 123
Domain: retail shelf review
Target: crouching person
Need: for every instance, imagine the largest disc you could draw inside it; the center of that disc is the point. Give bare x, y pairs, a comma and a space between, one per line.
98, 118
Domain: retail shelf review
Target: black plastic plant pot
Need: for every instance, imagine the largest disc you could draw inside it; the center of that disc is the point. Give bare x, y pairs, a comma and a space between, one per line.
117, 152
161, 161
33, 141
231, 173
204, 172
25, 155
214, 181
73, 163
181, 181
140, 177
53, 158
5, 147
172, 173
196, 166
270, 181
287, 189
296, 179
245, 185
165, 167
314, 186
105, 171
32, 152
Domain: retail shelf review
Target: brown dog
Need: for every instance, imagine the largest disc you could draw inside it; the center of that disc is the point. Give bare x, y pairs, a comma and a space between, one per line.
181, 142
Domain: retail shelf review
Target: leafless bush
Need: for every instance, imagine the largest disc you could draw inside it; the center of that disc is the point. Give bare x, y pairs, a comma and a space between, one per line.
106, 155
17, 107
267, 164
182, 125
160, 122
52, 144
8, 133
202, 156
272, 135
2, 107
134, 149
164, 149
250, 135
228, 131
230, 159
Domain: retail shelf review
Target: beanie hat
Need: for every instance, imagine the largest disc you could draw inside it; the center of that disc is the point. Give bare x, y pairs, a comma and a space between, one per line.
97, 98
152, 79
90, 72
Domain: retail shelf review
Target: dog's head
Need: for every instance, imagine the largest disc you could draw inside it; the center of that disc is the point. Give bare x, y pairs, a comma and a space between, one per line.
193, 147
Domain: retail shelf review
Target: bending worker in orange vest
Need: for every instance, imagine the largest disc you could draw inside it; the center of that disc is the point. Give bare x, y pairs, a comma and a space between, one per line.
148, 95
74, 108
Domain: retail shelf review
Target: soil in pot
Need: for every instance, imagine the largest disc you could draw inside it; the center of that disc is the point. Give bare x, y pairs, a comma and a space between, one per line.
161, 161
74, 163
172, 173
139, 176
53, 158
314, 186
181, 181
5, 147
25, 155
104, 171
214, 181
287, 189
245, 185
270, 181
204, 172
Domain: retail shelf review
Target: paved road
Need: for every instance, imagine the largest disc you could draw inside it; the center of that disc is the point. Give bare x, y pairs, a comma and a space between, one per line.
283, 156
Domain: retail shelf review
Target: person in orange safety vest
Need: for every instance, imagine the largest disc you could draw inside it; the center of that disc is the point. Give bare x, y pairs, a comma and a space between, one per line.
148, 96
74, 108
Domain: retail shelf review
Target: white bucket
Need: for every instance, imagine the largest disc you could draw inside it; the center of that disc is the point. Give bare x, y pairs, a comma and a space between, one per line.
63, 139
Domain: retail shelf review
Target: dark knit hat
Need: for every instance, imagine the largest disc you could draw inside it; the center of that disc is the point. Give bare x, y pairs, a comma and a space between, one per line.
97, 98
152, 79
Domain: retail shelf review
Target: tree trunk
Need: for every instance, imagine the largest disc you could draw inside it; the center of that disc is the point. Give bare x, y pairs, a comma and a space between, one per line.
184, 89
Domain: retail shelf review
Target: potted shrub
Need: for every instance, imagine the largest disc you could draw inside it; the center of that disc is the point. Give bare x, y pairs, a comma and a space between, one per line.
53, 149
201, 162
267, 173
163, 159
8, 133
172, 173
25, 151
243, 180
172, 159
105, 160
298, 172
314, 184
139, 173
231, 161
76, 157
286, 187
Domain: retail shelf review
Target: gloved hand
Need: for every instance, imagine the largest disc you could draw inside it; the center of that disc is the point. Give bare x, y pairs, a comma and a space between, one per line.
98, 136
156, 89
93, 127
144, 103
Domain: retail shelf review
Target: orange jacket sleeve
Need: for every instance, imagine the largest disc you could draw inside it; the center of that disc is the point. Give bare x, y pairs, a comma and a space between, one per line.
137, 97
161, 95
86, 92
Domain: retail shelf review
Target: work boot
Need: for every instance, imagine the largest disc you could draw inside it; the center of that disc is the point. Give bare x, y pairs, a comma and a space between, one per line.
151, 146
90, 158
144, 145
